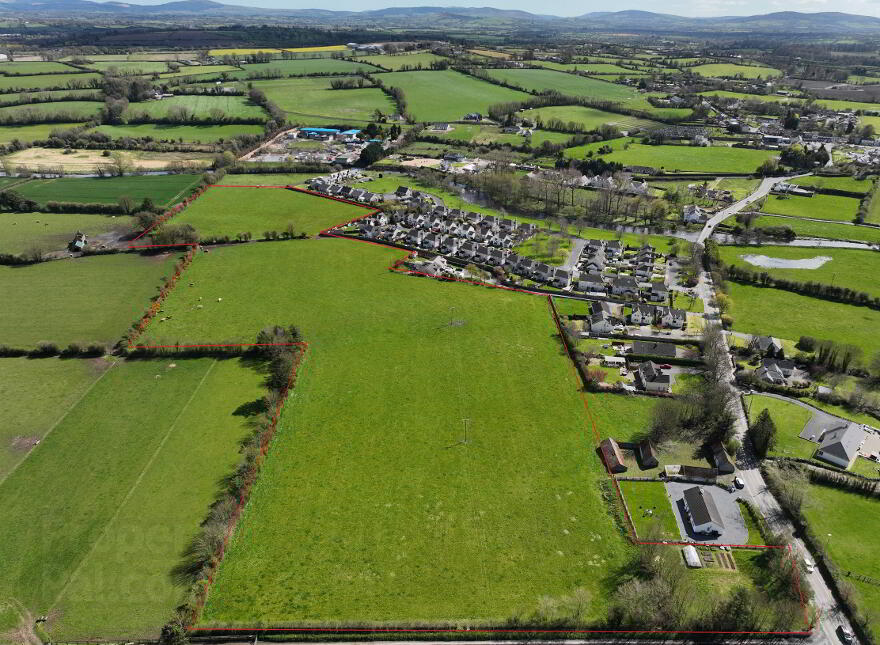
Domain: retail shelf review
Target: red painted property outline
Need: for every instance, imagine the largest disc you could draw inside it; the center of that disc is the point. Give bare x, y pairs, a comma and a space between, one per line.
396, 267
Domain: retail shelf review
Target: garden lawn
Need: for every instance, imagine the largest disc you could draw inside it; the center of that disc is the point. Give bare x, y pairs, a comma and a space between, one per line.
228, 211
760, 310
303, 67
69, 111
728, 70
642, 497
21, 232
847, 183
34, 396
201, 107
97, 516
48, 81
371, 507
850, 268
831, 230
847, 524
826, 207
587, 118
189, 133
538, 248
91, 299
790, 419
397, 61
429, 98
164, 190
311, 101
677, 158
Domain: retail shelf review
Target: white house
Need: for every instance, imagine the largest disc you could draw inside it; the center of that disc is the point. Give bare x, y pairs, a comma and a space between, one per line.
702, 511
840, 445
693, 214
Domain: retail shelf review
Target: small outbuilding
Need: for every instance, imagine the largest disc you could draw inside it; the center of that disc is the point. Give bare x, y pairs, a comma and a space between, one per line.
612, 456
691, 557
645, 453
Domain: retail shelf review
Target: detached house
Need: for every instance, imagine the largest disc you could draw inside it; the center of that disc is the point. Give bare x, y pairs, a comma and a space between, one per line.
591, 284
642, 315
449, 244
651, 379
702, 511
840, 445
481, 253
466, 250
658, 292
673, 318
693, 214
601, 323
613, 248
767, 346
625, 286
561, 278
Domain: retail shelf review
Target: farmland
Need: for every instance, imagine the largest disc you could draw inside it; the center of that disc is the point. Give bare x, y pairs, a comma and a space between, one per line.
27, 133
42, 305
303, 67
455, 534
162, 189
200, 107
428, 103
129, 67
188, 133
729, 70
66, 110
25, 68
200, 70
121, 499
395, 62
79, 161
827, 207
756, 310
850, 268
849, 184
831, 230
587, 118
228, 211
48, 81
21, 232
311, 100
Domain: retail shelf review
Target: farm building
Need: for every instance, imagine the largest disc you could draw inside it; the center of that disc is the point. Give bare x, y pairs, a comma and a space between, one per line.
645, 454
612, 456
721, 459
701, 510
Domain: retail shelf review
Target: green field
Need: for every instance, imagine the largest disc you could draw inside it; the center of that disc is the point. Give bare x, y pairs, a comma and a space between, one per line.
428, 99
395, 62
34, 396
124, 67
790, 419
188, 133
69, 110
851, 268
621, 417
827, 207
164, 190
28, 133
605, 68
311, 101
677, 158
228, 211
847, 524
439, 523
21, 232
82, 300
200, 70
650, 509
587, 118
24, 68
302, 67
831, 230
45, 81
199, 106
758, 310
50, 95
850, 184
740, 188
487, 134
729, 70
267, 179
830, 104
98, 514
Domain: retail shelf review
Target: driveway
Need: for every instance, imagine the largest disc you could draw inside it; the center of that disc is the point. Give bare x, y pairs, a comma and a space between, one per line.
735, 531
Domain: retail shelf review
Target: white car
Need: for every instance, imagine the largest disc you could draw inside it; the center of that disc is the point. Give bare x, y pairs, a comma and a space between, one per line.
809, 565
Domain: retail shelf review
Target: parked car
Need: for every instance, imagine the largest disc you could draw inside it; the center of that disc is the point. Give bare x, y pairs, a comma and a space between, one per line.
846, 634
739, 483
809, 565
665, 366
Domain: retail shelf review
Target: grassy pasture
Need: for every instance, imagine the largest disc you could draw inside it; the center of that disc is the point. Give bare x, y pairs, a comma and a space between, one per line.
428, 99
677, 158
199, 70
486, 134
51, 95
395, 62
756, 310
20, 232
162, 189
201, 107
827, 207
729, 70
437, 523
129, 67
847, 525
311, 101
790, 419
45, 81
82, 161
850, 184
319, 48
301, 67
189, 133
86, 299
25, 68
267, 179
588, 118
34, 396
72, 110
228, 211
98, 514
831, 104
28, 133
851, 268
740, 188
831, 230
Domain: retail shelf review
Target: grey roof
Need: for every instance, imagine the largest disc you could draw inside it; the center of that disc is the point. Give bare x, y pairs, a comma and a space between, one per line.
650, 373
650, 348
701, 506
625, 282
843, 441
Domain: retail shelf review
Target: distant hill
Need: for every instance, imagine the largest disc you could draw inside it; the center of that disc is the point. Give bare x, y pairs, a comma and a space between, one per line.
434, 16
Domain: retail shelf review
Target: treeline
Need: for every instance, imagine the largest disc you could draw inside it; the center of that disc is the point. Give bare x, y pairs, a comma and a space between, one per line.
396, 94
831, 292
27, 98
12, 202
72, 84
31, 115
46, 349
83, 138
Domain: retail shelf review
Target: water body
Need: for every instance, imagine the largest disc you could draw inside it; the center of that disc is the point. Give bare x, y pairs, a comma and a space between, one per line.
766, 262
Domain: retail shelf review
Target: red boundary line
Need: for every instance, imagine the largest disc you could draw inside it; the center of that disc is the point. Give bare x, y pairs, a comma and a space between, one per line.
632, 536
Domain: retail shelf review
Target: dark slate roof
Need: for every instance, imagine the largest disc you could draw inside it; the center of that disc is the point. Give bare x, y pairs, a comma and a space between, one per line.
701, 506
843, 441
651, 348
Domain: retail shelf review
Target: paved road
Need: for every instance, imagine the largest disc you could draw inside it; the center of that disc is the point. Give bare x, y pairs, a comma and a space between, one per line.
577, 245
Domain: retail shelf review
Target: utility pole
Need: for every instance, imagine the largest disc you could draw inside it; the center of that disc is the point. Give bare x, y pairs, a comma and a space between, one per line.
466, 423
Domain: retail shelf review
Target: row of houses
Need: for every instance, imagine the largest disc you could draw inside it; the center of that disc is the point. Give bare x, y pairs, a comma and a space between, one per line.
599, 257
344, 191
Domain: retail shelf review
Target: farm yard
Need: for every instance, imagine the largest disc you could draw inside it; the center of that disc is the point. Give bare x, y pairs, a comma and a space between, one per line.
163, 190
223, 212
121, 498
56, 301
472, 542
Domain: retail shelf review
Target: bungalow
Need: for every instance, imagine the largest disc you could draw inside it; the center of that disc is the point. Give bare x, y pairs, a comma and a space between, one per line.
770, 374
702, 511
721, 459
840, 445
642, 314
693, 214
651, 379
403, 192
449, 244
441, 127
653, 348
625, 286
612, 456
767, 346
645, 454
561, 278
601, 323
466, 250
675, 318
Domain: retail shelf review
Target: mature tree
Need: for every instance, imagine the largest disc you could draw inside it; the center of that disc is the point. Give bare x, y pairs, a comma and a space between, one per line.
763, 434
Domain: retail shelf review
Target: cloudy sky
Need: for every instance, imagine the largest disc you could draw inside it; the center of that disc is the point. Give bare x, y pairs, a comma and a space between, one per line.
570, 8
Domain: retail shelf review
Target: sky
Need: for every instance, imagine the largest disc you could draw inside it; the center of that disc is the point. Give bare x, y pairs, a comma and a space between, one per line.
703, 8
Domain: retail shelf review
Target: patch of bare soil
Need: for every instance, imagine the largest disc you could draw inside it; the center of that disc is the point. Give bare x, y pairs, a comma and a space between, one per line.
23, 444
